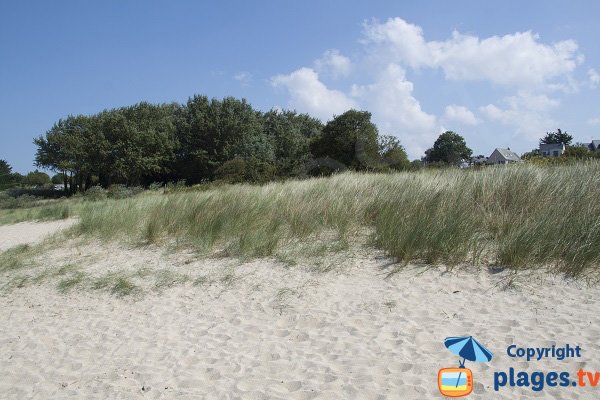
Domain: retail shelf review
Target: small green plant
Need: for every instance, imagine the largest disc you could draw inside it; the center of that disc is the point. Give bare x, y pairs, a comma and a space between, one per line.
117, 283
70, 282
390, 304
14, 258
124, 287
167, 279
201, 281
95, 193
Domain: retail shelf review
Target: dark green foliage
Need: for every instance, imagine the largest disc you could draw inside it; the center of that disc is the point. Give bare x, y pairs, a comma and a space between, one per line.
557, 137
291, 134
350, 139
128, 145
59, 178
207, 140
580, 151
5, 171
36, 178
213, 132
393, 155
8, 179
95, 193
450, 148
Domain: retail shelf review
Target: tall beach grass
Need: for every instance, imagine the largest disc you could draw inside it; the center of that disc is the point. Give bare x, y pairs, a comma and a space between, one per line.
521, 216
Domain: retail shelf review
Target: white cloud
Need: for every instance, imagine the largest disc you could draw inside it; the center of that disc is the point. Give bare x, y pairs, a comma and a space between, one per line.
309, 94
528, 113
243, 77
518, 62
460, 114
594, 77
395, 110
334, 63
518, 59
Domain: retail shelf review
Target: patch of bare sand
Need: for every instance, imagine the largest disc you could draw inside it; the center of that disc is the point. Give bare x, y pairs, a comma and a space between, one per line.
30, 232
264, 330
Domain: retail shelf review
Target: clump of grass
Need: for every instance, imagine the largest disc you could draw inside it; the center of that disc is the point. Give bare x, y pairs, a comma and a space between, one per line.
124, 287
522, 216
14, 258
117, 283
167, 279
201, 281
229, 279
54, 210
390, 304
71, 281
17, 281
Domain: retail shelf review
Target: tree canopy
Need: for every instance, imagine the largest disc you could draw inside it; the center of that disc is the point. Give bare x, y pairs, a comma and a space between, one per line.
350, 139
5, 171
449, 148
557, 137
207, 139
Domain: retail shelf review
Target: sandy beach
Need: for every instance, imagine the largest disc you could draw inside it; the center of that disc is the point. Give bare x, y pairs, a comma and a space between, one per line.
266, 330
30, 232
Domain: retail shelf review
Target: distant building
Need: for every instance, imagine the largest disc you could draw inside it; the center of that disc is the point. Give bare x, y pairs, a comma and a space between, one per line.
552, 149
503, 156
594, 145
479, 160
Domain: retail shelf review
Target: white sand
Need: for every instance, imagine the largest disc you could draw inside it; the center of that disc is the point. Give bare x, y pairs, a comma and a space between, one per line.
276, 332
30, 232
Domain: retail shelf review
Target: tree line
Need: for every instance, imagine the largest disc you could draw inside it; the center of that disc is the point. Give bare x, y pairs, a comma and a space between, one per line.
209, 139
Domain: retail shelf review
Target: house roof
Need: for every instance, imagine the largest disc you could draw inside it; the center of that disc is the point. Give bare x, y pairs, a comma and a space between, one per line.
508, 154
595, 144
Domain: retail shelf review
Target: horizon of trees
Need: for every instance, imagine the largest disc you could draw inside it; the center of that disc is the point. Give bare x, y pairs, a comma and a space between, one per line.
205, 140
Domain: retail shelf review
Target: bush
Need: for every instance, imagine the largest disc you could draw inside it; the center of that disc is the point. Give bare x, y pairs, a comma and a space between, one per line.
156, 186
9, 202
122, 191
95, 193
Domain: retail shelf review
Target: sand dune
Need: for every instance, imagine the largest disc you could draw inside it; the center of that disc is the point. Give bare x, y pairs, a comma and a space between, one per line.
280, 332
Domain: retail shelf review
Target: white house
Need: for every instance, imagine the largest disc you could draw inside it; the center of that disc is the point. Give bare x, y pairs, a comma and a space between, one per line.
503, 156
552, 149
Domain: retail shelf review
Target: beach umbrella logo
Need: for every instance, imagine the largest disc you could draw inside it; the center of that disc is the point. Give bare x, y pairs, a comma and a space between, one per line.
458, 382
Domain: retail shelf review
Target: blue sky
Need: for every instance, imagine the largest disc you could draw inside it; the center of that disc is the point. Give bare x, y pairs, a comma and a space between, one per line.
501, 73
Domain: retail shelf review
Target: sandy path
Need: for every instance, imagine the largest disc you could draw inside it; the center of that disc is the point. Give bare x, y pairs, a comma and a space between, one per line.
30, 232
286, 333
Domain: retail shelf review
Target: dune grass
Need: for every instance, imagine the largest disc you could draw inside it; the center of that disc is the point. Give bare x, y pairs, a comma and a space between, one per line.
59, 209
521, 216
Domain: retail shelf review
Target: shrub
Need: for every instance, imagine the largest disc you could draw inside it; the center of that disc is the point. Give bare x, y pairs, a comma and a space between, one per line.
23, 201
95, 193
122, 191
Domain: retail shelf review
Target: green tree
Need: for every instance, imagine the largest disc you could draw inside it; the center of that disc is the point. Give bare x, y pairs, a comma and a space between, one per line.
213, 132
67, 148
350, 139
130, 145
290, 134
142, 143
59, 178
393, 155
557, 137
5, 172
36, 178
579, 151
449, 148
